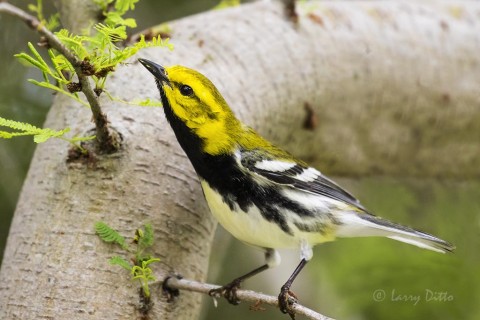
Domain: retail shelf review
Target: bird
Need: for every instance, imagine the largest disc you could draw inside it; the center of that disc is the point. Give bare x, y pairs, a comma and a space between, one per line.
258, 192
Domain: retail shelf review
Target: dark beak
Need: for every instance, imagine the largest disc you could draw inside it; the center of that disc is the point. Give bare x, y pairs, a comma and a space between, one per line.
157, 70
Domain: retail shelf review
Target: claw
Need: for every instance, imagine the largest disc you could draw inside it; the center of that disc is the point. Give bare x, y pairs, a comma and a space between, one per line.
229, 291
286, 300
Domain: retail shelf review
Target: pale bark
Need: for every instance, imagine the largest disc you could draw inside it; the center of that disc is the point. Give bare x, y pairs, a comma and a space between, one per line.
76, 15
394, 86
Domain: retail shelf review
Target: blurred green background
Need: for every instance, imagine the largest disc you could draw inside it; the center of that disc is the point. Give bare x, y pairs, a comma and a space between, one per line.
347, 279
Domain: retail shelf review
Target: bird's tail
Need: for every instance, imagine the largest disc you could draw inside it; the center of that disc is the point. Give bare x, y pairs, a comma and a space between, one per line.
361, 224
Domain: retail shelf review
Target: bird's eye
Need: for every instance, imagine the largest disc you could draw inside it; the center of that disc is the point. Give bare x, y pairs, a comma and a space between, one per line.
186, 90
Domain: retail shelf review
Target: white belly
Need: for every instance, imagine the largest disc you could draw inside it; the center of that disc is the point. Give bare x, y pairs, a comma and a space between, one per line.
252, 228
249, 227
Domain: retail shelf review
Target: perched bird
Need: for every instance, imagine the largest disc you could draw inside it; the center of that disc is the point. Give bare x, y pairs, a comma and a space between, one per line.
258, 192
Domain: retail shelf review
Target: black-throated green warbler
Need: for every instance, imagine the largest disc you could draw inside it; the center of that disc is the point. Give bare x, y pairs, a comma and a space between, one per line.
261, 194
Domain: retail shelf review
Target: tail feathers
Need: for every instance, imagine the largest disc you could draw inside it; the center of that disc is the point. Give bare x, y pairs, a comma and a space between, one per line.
357, 225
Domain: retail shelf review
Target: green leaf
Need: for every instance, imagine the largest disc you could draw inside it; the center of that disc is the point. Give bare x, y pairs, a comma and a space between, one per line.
37, 55
103, 4
145, 263
60, 63
24, 56
115, 34
226, 4
74, 42
49, 133
98, 48
125, 5
39, 135
56, 88
146, 103
38, 9
114, 18
119, 261
37, 61
53, 22
137, 272
129, 22
79, 139
108, 234
5, 135
146, 240
32, 7
16, 125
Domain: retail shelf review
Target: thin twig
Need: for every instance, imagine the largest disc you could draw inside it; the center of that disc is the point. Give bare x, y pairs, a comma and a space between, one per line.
104, 137
243, 295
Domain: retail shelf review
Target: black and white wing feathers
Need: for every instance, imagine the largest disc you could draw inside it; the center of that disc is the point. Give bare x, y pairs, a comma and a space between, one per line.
297, 176
301, 177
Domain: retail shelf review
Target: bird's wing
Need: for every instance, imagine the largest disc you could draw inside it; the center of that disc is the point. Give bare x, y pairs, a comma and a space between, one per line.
296, 175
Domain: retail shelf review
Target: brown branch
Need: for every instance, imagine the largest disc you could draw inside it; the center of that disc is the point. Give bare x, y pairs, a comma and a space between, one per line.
104, 137
243, 295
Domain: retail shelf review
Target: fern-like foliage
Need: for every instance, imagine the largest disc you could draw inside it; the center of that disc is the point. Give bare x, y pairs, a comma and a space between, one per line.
25, 129
144, 274
99, 47
119, 261
140, 270
52, 23
39, 134
100, 53
107, 234
56, 74
146, 240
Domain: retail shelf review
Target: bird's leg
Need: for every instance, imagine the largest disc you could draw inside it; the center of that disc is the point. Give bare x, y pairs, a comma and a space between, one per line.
286, 298
229, 291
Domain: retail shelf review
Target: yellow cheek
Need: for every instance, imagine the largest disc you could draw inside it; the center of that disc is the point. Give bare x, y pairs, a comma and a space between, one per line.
216, 140
212, 131
178, 110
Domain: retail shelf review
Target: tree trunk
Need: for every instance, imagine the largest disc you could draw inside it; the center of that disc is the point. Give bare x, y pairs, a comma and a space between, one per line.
356, 88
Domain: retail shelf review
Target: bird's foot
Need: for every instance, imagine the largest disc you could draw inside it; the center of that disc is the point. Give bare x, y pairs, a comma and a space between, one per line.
228, 291
286, 300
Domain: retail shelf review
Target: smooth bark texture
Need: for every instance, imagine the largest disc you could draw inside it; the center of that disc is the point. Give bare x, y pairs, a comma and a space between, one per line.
55, 266
393, 87
75, 14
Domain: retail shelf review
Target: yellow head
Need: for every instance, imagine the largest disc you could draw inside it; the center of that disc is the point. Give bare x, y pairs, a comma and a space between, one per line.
196, 102
200, 117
